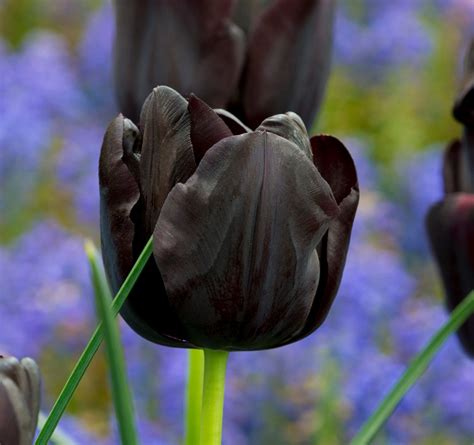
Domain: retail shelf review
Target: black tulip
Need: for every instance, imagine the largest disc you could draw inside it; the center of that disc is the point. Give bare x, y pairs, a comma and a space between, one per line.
450, 222
250, 229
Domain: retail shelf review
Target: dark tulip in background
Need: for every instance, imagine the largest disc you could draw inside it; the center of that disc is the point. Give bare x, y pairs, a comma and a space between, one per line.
251, 57
450, 222
250, 230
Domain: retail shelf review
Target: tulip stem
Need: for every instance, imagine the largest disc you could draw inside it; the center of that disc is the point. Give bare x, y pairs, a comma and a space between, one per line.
193, 402
215, 363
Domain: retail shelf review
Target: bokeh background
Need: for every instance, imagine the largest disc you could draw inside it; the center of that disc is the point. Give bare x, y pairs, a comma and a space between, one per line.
393, 82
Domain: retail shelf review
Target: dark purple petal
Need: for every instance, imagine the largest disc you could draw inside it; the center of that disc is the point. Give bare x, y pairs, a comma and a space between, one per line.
289, 53
207, 128
450, 225
190, 45
236, 245
166, 155
291, 127
335, 164
245, 13
118, 194
458, 165
145, 309
464, 105
452, 167
337, 167
236, 125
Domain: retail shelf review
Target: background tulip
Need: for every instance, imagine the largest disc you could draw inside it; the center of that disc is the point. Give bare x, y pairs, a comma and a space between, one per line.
19, 400
250, 231
451, 230
281, 64
450, 222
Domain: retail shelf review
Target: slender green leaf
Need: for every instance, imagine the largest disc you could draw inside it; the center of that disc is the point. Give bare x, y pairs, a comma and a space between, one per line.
90, 350
59, 437
414, 371
121, 396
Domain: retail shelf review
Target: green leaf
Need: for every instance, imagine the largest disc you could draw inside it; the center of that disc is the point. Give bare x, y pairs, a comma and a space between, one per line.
59, 437
121, 396
90, 350
414, 372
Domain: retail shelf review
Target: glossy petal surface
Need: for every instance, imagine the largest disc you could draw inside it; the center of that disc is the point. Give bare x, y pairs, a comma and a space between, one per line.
145, 309
166, 154
236, 244
291, 127
118, 194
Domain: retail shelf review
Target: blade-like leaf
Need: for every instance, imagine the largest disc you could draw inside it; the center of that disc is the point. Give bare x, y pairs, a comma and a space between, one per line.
59, 437
413, 373
121, 396
90, 350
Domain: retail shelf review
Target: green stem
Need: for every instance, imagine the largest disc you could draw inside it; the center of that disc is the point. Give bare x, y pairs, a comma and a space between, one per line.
414, 371
193, 402
215, 363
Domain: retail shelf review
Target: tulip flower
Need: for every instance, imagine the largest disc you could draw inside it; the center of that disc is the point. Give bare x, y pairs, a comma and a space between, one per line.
450, 222
250, 230
19, 400
252, 57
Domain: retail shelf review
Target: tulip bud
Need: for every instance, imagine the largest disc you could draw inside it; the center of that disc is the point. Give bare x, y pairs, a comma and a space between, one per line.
250, 230
274, 59
450, 222
451, 230
19, 400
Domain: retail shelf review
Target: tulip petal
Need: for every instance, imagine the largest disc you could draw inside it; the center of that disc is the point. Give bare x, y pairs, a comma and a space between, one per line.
207, 128
190, 45
452, 167
337, 167
291, 127
234, 123
118, 194
145, 309
236, 244
167, 154
288, 60
450, 225
463, 109
458, 164
9, 428
335, 164
245, 13
32, 391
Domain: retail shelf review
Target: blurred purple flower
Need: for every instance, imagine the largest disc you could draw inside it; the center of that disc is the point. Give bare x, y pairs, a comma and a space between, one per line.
380, 36
95, 60
421, 187
45, 286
